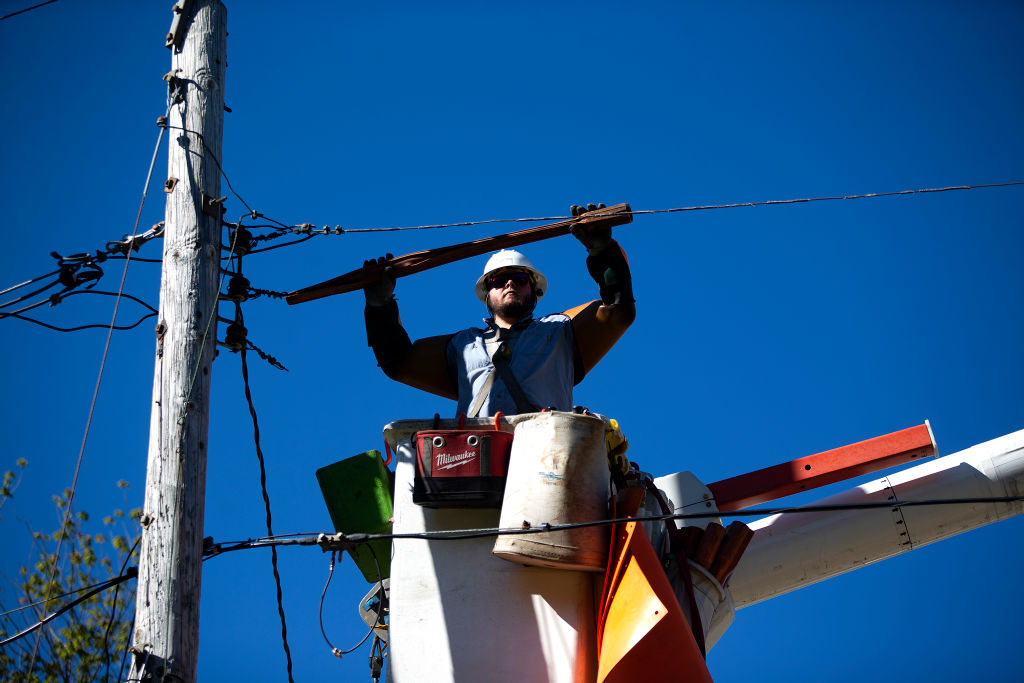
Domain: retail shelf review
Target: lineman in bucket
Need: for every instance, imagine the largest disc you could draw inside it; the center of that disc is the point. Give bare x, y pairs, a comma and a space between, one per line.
517, 363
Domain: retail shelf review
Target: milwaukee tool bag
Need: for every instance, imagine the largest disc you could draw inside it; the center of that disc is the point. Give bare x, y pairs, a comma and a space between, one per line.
461, 468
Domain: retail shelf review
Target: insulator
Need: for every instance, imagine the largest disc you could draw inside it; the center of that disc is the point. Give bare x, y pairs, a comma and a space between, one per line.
238, 289
235, 337
242, 239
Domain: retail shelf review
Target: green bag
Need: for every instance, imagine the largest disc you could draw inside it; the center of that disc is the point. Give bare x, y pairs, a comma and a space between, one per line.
359, 492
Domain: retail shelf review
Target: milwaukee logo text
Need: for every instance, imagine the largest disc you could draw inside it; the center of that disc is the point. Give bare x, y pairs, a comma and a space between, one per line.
446, 461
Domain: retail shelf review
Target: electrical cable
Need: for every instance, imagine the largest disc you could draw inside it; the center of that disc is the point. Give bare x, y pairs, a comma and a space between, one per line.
17, 313
82, 327
28, 282
99, 588
638, 212
27, 9
99, 378
326, 540
285, 244
30, 294
376, 621
124, 655
113, 610
266, 500
216, 161
54, 598
323, 594
121, 295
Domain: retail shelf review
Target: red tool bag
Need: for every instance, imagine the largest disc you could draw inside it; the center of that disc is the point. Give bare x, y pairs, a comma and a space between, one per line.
458, 468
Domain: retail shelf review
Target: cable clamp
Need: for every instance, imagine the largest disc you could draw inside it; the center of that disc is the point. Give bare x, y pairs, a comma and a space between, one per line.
133, 242
338, 541
70, 266
175, 88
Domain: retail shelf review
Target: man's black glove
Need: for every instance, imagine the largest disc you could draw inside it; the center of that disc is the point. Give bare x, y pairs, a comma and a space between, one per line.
382, 292
593, 238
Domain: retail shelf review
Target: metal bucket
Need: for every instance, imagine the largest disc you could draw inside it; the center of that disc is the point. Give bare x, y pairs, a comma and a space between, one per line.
558, 474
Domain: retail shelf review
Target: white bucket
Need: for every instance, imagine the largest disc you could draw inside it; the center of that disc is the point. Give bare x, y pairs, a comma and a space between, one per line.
557, 474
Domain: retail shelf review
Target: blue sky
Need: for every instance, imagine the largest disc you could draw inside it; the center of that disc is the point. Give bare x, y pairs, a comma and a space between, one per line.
763, 334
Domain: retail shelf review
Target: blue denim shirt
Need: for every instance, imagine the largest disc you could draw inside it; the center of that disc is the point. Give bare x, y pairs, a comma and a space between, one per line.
543, 361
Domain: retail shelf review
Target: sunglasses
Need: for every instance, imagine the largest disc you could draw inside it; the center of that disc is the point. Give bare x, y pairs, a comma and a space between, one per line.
501, 279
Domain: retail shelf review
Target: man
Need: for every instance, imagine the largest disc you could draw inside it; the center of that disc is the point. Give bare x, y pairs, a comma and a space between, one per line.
517, 363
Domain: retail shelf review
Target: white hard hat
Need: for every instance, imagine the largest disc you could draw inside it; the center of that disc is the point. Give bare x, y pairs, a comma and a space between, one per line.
510, 258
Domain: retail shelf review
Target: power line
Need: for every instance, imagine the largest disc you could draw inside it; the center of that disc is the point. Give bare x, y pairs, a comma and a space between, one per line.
266, 502
28, 282
330, 541
98, 588
113, 611
308, 229
27, 9
78, 328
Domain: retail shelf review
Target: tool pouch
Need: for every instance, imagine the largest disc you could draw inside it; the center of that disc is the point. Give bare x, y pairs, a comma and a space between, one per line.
461, 468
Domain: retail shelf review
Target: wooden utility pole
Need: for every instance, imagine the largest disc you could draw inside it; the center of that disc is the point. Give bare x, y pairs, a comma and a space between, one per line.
166, 637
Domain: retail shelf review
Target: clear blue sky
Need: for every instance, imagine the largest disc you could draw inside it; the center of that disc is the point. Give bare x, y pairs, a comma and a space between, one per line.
764, 334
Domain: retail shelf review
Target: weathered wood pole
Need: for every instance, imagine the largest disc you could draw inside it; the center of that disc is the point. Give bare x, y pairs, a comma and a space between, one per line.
166, 637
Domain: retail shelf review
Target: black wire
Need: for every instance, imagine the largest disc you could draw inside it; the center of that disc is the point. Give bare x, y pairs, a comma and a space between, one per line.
376, 620
53, 598
286, 244
216, 161
27, 9
124, 655
122, 295
266, 502
57, 298
132, 573
461, 534
113, 611
323, 594
83, 327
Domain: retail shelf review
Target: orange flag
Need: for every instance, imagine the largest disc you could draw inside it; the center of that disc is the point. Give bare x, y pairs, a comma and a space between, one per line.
641, 631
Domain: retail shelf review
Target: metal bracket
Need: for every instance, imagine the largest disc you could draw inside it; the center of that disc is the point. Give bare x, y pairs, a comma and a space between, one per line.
212, 206
176, 34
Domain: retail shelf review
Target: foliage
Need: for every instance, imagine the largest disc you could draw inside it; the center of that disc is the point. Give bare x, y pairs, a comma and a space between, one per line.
87, 642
